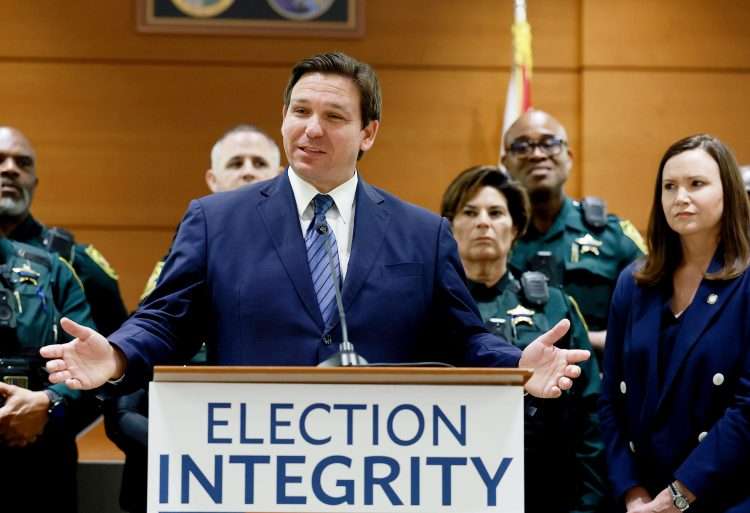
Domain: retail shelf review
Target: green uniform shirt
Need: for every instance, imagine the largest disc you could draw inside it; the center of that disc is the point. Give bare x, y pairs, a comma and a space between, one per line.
561, 432
41, 288
97, 276
586, 260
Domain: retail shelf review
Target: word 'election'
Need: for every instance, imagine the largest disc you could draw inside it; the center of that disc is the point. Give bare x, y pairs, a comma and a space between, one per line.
285, 424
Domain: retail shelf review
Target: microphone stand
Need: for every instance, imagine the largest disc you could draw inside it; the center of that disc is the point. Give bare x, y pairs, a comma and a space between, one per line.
346, 355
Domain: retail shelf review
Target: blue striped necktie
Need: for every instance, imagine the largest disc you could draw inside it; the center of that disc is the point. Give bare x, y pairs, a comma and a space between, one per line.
317, 257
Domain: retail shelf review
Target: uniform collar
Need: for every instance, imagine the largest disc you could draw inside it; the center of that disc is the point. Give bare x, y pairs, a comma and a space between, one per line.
343, 195
29, 229
481, 292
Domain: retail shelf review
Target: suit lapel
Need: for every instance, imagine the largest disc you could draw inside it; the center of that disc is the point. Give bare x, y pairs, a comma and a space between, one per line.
370, 221
279, 214
708, 301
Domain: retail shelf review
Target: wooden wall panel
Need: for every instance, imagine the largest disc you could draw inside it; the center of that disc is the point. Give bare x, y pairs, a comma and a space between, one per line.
630, 118
132, 253
419, 33
666, 33
128, 145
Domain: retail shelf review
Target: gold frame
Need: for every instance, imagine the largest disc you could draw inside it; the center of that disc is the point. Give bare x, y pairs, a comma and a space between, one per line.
353, 27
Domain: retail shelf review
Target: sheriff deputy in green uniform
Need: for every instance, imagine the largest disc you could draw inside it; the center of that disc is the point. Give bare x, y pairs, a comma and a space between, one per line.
578, 245
19, 180
488, 212
38, 421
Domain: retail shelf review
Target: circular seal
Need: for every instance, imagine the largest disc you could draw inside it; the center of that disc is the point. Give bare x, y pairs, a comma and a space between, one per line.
300, 9
202, 8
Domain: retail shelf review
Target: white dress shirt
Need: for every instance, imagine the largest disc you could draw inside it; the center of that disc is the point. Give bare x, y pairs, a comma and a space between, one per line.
340, 216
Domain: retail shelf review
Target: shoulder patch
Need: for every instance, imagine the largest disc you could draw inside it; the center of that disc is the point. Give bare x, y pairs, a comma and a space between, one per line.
99, 260
632, 233
151, 283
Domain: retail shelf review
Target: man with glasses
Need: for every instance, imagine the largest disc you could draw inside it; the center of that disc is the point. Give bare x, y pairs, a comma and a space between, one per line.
577, 244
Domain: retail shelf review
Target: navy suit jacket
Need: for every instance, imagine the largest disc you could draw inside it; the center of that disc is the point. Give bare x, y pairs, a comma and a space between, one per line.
696, 426
237, 276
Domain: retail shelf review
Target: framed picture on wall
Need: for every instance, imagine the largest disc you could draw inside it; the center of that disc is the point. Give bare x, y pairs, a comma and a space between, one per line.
292, 18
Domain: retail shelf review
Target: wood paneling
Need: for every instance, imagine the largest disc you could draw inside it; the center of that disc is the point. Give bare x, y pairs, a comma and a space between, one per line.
132, 253
128, 145
666, 33
417, 33
630, 118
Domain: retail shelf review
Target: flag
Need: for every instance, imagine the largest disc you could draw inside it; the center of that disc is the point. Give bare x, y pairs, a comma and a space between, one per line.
518, 99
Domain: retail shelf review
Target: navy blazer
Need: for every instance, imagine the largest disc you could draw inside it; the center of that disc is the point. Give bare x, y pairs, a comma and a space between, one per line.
237, 276
696, 427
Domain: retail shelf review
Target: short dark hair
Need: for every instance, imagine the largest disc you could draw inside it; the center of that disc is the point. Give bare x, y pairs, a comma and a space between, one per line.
467, 184
664, 248
338, 63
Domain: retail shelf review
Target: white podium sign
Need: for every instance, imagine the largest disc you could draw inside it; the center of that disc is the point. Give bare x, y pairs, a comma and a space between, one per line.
376, 448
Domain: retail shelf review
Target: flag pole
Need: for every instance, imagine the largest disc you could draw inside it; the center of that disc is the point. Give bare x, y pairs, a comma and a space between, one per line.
518, 98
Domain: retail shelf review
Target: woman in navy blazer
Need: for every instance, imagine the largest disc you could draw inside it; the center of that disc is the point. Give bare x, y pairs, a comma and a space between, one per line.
675, 406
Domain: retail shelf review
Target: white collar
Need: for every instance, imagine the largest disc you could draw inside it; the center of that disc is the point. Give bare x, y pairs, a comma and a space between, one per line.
343, 195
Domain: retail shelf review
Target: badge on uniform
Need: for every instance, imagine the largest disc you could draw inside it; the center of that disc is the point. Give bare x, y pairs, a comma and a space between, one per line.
583, 245
26, 274
521, 315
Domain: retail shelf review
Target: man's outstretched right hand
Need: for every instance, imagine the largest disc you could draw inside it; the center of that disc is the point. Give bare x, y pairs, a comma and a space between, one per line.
88, 361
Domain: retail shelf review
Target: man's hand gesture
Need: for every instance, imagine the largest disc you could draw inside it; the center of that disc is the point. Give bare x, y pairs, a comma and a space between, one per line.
554, 368
88, 361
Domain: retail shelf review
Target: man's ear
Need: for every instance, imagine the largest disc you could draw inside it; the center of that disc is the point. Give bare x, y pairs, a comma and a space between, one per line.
370, 132
210, 180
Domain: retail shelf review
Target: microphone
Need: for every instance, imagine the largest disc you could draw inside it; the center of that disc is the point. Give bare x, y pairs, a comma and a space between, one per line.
346, 355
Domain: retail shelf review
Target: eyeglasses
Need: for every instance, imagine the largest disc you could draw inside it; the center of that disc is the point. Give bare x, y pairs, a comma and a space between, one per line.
550, 146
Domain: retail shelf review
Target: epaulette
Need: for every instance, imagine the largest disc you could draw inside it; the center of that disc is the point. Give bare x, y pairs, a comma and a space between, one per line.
594, 212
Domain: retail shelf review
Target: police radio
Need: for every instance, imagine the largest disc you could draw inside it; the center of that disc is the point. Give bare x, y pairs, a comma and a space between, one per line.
7, 300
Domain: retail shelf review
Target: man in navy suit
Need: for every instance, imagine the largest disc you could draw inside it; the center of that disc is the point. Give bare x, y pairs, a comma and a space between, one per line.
243, 273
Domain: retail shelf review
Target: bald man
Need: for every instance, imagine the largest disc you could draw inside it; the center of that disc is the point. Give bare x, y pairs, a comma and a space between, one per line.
577, 244
243, 155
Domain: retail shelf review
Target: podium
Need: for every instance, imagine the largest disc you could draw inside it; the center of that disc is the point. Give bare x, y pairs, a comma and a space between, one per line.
346, 439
